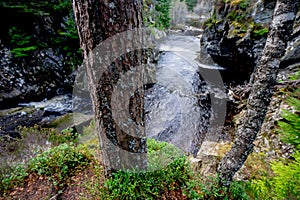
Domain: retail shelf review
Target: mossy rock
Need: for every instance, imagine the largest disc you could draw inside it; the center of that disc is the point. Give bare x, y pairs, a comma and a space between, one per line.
17, 110
67, 121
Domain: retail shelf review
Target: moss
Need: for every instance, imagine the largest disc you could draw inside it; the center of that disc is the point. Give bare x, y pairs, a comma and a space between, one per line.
62, 122
232, 15
257, 166
235, 2
239, 20
260, 33
16, 110
212, 21
237, 29
89, 138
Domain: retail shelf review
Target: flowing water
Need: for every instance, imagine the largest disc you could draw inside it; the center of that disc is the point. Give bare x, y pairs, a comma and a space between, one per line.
177, 108
172, 104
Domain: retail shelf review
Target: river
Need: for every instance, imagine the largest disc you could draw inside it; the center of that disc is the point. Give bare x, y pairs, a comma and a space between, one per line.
178, 106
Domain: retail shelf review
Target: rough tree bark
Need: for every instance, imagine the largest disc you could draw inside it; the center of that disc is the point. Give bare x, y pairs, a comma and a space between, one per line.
262, 90
108, 56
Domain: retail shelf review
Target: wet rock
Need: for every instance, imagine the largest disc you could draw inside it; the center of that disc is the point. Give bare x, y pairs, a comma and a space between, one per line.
9, 123
46, 68
76, 121
193, 31
230, 41
292, 54
55, 113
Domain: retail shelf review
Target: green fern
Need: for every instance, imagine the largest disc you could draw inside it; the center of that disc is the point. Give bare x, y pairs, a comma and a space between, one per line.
289, 128
285, 184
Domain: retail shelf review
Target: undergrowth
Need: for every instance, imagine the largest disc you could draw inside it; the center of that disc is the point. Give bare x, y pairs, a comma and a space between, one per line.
175, 176
285, 182
38, 150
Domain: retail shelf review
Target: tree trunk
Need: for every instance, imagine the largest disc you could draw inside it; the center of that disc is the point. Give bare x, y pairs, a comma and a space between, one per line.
262, 90
111, 41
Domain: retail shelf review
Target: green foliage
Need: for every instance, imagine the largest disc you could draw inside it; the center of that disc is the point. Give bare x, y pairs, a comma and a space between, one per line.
22, 42
295, 76
289, 128
284, 185
60, 34
17, 153
209, 188
244, 4
11, 178
157, 13
150, 184
40, 8
67, 135
61, 162
153, 184
94, 186
286, 182
163, 9
239, 20
212, 21
259, 33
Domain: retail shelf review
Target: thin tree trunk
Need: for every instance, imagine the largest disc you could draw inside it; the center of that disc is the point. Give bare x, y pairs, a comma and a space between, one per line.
110, 38
262, 90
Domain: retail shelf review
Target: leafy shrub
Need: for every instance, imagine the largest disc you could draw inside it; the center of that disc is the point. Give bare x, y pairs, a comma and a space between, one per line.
150, 184
13, 177
285, 184
36, 134
209, 188
60, 162
35, 152
157, 13
24, 41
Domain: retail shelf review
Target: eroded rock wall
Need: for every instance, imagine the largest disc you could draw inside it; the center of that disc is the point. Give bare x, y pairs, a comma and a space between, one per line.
38, 53
235, 34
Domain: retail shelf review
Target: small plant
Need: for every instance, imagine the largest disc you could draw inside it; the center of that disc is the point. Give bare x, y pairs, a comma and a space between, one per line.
11, 178
94, 185
54, 137
22, 43
149, 184
285, 183
210, 188
289, 128
157, 13
260, 32
61, 162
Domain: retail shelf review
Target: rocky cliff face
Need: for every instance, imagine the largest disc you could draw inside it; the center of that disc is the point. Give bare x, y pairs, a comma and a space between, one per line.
268, 146
235, 35
38, 51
